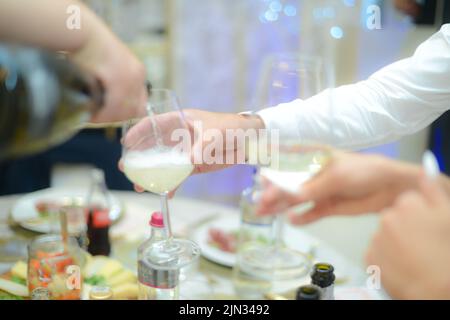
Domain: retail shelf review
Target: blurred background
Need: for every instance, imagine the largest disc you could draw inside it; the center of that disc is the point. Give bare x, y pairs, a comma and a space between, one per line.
212, 54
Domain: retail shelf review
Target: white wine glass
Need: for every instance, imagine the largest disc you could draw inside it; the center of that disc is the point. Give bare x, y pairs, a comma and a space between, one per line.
157, 157
288, 77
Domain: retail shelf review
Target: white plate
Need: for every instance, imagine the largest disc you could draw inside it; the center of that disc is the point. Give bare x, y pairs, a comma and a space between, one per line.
293, 238
25, 214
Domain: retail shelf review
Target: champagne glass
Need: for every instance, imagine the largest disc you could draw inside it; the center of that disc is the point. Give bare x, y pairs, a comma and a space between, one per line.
288, 77
157, 156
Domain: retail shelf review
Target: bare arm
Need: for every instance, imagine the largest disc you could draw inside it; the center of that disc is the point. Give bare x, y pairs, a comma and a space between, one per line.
43, 23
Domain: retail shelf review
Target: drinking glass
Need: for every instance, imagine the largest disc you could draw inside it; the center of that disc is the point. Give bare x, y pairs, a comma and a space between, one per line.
54, 268
157, 157
288, 77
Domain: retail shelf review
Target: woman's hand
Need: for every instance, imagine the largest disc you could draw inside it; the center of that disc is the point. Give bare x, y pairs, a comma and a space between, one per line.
412, 246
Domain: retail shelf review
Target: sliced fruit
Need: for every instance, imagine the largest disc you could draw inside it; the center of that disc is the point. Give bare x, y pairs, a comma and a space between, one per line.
94, 265
110, 268
13, 288
20, 270
125, 291
124, 276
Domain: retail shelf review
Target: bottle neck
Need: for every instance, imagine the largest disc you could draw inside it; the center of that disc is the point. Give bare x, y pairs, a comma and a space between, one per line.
328, 293
157, 234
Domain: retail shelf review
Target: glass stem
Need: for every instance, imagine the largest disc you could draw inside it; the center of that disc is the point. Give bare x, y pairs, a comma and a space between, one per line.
166, 217
279, 233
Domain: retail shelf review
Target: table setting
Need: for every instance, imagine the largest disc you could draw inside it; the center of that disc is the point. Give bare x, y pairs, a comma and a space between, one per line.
90, 243
213, 271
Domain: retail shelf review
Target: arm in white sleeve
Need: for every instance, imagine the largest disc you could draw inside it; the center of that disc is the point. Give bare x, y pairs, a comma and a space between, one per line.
398, 100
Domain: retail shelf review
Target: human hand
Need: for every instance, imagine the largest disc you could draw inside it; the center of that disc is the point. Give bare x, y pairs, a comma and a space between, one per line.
120, 72
159, 130
350, 184
209, 130
412, 245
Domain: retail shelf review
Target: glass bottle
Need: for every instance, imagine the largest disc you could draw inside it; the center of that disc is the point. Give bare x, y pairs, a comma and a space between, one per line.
54, 268
158, 276
43, 99
308, 292
101, 293
98, 205
252, 275
323, 277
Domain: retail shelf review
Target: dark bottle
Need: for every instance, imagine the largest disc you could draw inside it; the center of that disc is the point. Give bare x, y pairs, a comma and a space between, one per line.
308, 292
323, 277
44, 99
98, 232
98, 220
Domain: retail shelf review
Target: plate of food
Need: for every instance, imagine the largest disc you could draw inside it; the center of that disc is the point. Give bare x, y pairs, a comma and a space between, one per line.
218, 239
97, 271
36, 211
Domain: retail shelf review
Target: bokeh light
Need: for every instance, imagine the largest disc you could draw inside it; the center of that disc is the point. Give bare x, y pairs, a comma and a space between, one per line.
337, 32
275, 6
290, 11
271, 16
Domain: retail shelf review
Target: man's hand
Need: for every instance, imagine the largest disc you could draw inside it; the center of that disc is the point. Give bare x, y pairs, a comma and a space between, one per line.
350, 184
92, 46
200, 125
412, 247
122, 75
220, 122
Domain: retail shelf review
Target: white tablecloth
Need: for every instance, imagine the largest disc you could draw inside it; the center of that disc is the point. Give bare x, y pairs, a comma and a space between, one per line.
186, 214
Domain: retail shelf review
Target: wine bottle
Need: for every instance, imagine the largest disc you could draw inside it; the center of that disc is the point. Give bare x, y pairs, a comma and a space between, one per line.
44, 98
323, 277
308, 292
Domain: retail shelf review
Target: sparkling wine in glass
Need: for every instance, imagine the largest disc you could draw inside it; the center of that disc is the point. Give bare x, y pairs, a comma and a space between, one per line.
289, 77
157, 157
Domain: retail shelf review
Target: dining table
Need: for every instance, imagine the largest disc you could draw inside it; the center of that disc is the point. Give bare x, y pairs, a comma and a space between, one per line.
187, 215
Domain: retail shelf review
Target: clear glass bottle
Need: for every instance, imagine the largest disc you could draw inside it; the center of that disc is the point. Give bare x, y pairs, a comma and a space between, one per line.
49, 260
158, 276
252, 275
101, 293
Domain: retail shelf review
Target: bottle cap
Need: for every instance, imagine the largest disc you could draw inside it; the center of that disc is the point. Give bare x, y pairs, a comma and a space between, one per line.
323, 275
100, 293
308, 292
157, 220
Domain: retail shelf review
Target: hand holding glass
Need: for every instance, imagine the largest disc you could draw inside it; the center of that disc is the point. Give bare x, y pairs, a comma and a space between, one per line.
156, 156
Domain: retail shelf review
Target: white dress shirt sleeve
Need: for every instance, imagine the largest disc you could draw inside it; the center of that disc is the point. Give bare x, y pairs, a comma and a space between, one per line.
398, 100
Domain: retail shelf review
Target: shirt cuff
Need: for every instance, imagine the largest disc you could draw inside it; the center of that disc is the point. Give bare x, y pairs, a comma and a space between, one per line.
281, 118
